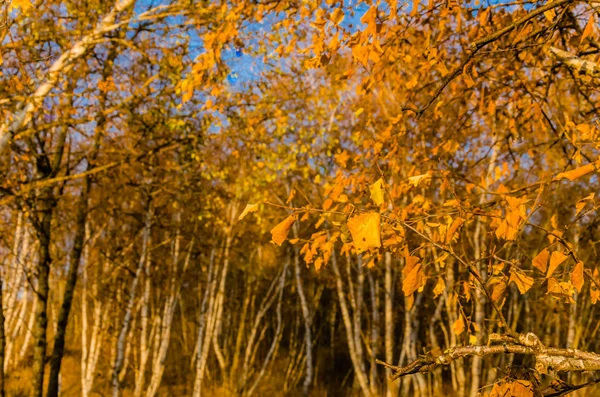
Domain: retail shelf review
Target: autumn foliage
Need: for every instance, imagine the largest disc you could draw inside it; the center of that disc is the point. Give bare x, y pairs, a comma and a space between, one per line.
299, 198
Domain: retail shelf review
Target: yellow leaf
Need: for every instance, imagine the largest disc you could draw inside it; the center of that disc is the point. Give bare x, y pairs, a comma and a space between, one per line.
414, 280
561, 290
556, 259
450, 234
439, 287
365, 230
589, 29
459, 326
577, 276
23, 4
498, 289
540, 262
280, 232
249, 208
337, 16
417, 179
577, 172
377, 192
517, 388
523, 281
581, 203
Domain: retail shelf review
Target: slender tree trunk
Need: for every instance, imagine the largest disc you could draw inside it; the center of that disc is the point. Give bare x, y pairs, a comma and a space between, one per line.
205, 327
158, 366
392, 387
65, 309
46, 206
120, 348
2, 336
360, 374
306, 315
276, 338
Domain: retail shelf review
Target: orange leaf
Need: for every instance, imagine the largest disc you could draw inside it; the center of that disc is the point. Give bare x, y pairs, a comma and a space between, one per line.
337, 16
280, 232
414, 280
439, 288
556, 259
589, 29
577, 276
365, 230
453, 228
540, 262
376, 190
517, 388
459, 326
249, 208
23, 4
523, 281
577, 172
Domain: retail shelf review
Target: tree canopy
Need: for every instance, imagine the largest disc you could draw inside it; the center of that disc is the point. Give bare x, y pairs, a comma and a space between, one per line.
299, 197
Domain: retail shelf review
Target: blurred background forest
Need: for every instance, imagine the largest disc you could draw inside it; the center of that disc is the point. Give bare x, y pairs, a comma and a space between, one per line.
265, 197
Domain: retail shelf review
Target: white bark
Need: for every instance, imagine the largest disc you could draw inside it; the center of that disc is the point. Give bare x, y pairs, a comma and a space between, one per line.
120, 352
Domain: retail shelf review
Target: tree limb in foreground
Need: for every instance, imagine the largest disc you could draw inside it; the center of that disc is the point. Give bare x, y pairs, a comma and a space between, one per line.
548, 360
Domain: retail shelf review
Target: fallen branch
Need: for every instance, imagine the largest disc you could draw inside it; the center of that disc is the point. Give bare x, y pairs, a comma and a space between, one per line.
548, 359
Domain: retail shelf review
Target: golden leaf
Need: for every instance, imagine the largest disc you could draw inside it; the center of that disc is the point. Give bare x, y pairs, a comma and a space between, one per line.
577, 276
280, 232
561, 289
589, 29
376, 190
439, 287
414, 280
523, 281
581, 203
365, 230
249, 208
337, 16
577, 172
23, 4
417, 179
517, 388
556, 259
498, 286
450, 234
540, 262
459, 326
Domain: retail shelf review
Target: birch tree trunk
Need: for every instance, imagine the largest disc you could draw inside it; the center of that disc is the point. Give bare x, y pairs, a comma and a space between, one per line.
120, 347
392, 387
360, 374
158, 366
306, 315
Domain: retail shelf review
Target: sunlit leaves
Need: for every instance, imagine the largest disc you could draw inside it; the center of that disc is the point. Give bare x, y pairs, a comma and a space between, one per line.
365, 230
249, 208
418, 179
577, 276
555, 260
337, 16
577, 172
521, 280
561, 289
24, 5
589, 28
516, 214
540, 262
376, 190
459, 325
280, 232
515, 388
